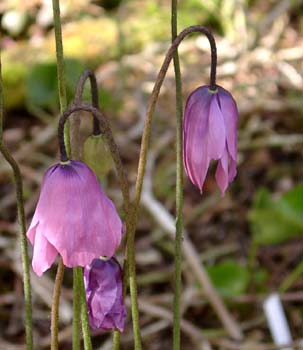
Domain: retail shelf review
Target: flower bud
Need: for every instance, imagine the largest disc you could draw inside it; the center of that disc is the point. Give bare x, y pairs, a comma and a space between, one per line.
103, 288
97, 155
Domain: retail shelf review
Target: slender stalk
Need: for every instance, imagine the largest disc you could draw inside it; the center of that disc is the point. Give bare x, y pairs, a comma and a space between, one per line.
129, 265
55, 306
60, 67
152, 103
116, 340
63, 105
21, 219
88, 74
179, 184
84, 317
76, 312
227, 319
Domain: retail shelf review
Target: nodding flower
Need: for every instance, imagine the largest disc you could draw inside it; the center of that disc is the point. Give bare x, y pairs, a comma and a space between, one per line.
210, 133
73, 218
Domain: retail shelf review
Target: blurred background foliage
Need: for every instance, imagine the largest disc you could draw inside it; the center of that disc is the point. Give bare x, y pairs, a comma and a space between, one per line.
252, 240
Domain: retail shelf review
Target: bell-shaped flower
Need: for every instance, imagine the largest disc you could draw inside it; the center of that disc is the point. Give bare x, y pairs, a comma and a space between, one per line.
73, 218
210, 133
103, 287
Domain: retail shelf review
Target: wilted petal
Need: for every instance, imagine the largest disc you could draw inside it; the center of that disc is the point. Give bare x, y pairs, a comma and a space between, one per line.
103, 286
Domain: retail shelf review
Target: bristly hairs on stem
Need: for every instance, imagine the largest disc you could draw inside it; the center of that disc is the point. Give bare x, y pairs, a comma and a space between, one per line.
179, 184
21, 219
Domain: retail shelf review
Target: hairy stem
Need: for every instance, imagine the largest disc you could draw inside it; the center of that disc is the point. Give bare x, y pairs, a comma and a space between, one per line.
21, 219
179, 185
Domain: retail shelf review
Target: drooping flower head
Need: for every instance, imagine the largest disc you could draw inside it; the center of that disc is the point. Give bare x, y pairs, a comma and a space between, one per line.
210, 133
73, 218
103, 287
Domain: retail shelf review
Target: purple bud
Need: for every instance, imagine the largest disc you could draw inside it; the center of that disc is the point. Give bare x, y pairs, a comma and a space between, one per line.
73, 218
103, 287
210, 133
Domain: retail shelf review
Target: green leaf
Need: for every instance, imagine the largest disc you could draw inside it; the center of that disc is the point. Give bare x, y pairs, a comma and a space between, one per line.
42, 86
229, 277
275, 221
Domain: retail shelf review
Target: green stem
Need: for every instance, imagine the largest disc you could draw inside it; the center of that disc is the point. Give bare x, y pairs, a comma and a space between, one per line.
55, 306
131, 262
76, 312
116, 340
61, 68
63, 105
84, 317
129, 268
21, 219
179, 185
144, 148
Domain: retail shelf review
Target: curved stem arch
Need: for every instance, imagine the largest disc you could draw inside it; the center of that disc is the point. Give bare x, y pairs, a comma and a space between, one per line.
153, 100
130, 268
104, 124
89, 74
225, 317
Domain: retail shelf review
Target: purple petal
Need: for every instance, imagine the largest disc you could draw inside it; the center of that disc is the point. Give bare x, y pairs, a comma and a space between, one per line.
230, 112
222, 173
195, 132
43, 256
216, 137
103, 286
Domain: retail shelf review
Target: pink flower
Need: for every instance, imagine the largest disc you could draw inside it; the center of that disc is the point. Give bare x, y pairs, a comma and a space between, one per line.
103, 287
73, 218
210, 133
